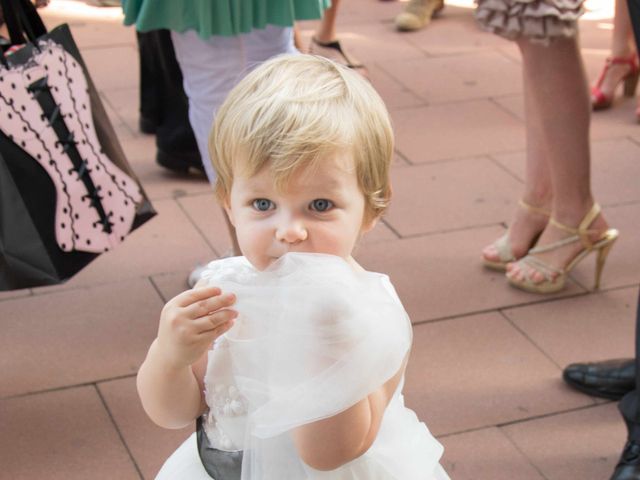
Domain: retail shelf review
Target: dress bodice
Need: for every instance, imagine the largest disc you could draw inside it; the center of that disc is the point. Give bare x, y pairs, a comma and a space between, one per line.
312, 338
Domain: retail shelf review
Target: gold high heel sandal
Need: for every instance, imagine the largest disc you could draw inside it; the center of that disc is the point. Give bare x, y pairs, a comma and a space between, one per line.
503, 244
555, 278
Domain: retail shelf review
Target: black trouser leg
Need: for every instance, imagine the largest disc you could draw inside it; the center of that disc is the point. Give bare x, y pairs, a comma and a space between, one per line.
630, 403
163, 101
150, 95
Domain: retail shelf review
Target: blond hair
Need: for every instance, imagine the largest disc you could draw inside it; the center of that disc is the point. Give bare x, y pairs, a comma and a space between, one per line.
295, 110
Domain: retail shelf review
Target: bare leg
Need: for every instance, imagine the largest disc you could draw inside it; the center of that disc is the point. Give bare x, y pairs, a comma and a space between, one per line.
326, 44
621, 47
526, 225
621, 39
559, 79
326, 31
297, 39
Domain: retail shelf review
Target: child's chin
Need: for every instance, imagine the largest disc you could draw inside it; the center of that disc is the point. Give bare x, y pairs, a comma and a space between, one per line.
262, 263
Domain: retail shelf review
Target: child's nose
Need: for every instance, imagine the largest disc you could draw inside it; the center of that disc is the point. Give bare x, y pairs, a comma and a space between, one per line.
292, 231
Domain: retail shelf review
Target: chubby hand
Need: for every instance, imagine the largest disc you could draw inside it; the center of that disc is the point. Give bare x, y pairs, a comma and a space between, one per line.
191, 321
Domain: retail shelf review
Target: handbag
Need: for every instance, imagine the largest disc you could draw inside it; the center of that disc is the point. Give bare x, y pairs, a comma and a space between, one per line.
67, 192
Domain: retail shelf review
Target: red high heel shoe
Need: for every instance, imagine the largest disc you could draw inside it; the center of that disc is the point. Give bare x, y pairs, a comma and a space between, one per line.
599, 100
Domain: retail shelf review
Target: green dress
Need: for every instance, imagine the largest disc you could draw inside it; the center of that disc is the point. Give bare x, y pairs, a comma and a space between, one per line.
219, 17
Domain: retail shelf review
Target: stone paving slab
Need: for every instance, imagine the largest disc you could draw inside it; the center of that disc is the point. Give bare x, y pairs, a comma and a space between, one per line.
486, 364
170, 284
480, 371
77, 336
486, 454
423, 134
571, 330
454, 32
607, 124
105, 66
393, 92
488, 197
584, 444
440, 276
149, 444
62, 435
445, 79
378, 43
613, 162
126, 103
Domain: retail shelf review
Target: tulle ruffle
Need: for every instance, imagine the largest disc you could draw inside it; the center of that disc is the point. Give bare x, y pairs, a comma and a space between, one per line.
538, 20
313, 337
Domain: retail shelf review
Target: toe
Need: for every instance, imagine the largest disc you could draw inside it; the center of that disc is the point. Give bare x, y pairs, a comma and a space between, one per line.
490, 253
513, 271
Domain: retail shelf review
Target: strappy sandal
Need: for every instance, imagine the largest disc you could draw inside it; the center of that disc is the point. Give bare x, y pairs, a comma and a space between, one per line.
503, 244
334, 51
600, 100
555, 278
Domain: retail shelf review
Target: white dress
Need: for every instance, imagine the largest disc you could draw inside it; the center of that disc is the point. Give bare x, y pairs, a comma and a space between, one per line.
313, 337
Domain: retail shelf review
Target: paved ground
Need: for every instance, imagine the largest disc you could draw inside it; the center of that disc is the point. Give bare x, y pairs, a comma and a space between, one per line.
485, 371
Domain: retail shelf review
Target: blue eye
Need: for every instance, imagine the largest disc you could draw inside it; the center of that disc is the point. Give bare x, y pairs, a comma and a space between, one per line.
262, 204
321, 205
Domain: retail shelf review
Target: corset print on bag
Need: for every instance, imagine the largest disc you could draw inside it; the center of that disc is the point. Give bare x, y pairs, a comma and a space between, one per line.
45, 109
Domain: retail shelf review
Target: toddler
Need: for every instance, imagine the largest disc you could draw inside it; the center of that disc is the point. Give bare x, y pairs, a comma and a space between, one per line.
305, 374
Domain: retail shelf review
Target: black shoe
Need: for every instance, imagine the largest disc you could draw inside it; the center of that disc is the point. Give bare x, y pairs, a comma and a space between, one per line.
180, 163
628, 467
610, 379
148, 126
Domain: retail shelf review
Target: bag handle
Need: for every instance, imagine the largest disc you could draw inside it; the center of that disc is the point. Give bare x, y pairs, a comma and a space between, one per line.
22, 21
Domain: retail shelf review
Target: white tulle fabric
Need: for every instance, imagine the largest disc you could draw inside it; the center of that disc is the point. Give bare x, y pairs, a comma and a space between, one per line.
313, 337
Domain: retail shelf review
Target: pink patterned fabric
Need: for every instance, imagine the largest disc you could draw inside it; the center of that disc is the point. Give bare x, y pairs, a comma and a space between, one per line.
77, 224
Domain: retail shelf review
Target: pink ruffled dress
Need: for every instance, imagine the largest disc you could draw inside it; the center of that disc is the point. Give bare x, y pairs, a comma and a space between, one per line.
538, 20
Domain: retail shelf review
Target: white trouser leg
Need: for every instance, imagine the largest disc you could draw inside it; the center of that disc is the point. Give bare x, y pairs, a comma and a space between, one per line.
212, 67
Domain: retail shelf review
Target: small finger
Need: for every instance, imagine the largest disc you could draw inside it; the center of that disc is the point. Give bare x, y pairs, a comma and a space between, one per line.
214, 320
211, 335
189, 297
207, 306
224, 328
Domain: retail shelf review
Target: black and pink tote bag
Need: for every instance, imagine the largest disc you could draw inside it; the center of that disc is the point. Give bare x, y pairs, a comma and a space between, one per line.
67, 193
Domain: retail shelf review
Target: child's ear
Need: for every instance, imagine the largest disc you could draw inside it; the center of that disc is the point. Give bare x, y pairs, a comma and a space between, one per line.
227, 208
368, 224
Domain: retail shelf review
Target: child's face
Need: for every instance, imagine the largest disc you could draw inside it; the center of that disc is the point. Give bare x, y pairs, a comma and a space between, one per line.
321, 210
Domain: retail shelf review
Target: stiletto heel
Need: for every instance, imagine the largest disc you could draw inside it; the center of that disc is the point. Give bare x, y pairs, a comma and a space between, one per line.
599, 99
503, 244
555, 278
603, 252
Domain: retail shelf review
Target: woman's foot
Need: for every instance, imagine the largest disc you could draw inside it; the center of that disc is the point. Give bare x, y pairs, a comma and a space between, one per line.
529, 221
417, 14
615, 71
334, 50
546, 266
